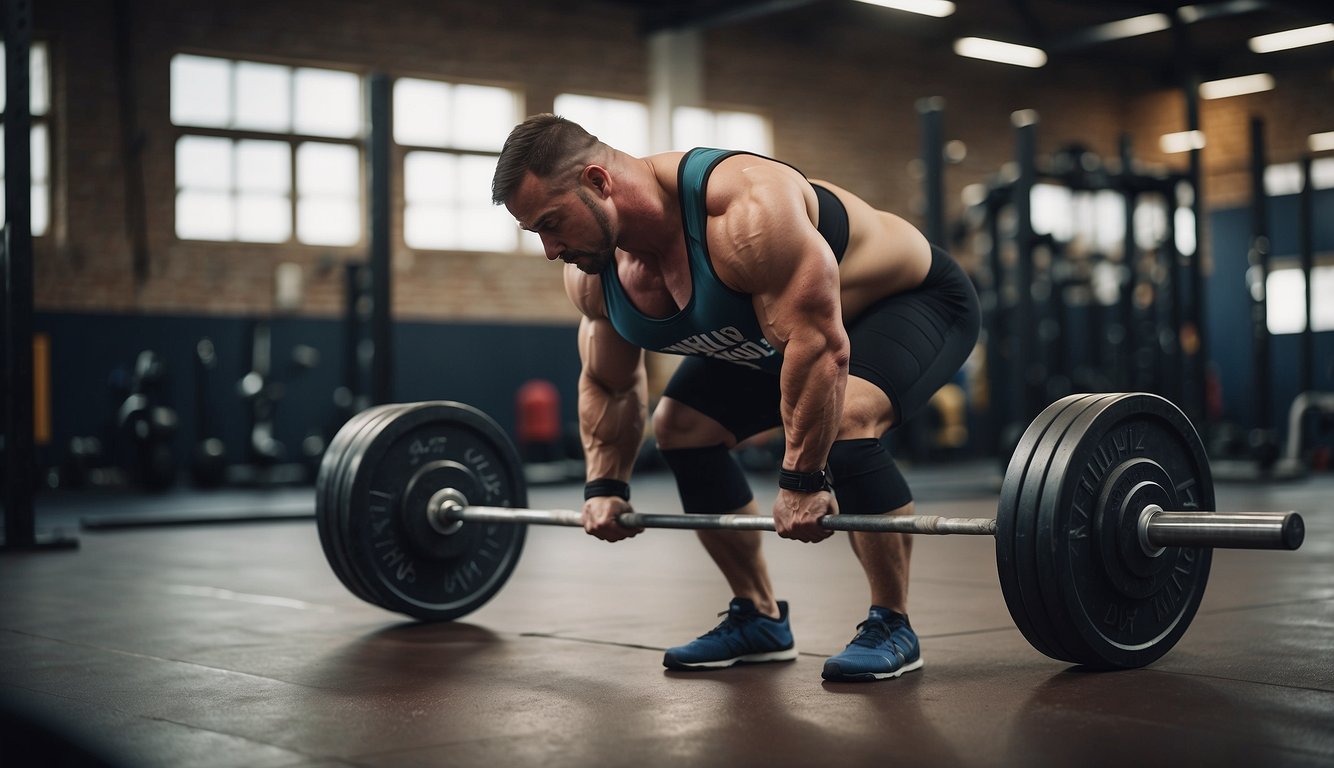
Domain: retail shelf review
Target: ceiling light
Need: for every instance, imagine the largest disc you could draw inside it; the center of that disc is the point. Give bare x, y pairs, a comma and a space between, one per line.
937, 8
1236, 86
1184, 141
1133, 27
1321, 142
1293, 38
995, 50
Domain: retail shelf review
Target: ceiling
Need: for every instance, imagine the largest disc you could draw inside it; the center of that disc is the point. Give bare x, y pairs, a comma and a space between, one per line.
1208, 38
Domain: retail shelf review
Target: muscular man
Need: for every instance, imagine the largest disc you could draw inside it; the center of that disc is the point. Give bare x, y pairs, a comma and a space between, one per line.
798, 305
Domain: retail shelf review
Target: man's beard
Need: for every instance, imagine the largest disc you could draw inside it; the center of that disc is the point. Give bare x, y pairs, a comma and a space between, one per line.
593, 262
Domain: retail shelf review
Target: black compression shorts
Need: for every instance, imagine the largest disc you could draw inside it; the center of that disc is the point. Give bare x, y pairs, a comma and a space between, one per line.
909, 345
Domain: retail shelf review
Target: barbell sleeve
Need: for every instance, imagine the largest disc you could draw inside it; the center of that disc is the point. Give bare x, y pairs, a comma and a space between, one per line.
1229, 530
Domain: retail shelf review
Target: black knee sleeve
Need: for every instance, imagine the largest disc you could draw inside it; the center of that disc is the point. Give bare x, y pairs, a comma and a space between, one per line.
866, 480
709, 479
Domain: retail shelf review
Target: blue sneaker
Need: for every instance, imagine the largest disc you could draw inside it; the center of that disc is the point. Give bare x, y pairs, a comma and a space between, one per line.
885, 646
744, 635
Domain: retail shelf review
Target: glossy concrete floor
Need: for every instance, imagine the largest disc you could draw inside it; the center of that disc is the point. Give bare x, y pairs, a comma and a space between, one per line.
235, 645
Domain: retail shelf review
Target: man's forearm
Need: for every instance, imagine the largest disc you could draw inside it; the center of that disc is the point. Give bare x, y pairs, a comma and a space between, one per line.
813, 381
611, 425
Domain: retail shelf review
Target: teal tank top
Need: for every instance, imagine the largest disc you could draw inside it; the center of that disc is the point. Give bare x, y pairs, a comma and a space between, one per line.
718, 322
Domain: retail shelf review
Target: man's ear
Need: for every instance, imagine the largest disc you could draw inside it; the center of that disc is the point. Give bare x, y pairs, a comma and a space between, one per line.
596, 178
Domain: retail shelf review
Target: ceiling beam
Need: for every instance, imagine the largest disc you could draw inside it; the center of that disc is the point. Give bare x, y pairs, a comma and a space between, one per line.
679, 18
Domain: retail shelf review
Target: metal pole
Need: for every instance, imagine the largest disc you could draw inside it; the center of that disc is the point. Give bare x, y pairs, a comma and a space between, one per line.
1306, 248
19, 448
382, 370
931, 119
1024, 328
1259, 259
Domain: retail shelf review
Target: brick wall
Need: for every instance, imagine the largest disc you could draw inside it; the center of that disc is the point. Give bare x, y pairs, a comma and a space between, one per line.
843, 111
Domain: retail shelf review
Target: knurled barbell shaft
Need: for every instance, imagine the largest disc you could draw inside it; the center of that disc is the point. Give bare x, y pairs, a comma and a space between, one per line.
1256, 530
452, 511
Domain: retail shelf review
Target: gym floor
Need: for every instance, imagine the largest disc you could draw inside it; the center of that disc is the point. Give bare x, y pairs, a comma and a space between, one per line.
235, 645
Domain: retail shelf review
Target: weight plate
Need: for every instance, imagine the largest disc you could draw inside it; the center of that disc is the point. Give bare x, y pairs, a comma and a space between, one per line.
1016, 524
407, 566
1102, 618
326, 510
341, 534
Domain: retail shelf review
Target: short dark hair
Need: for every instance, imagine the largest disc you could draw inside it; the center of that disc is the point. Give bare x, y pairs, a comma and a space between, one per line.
545, 144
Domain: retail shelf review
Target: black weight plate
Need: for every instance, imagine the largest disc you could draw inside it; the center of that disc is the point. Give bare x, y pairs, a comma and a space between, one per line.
352, 454
326, 512
450, 577
332, 514
1100, 623
329, 515
1015, 525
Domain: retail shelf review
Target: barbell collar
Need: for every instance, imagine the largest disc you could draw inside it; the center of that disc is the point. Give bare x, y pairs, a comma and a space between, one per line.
1228, 530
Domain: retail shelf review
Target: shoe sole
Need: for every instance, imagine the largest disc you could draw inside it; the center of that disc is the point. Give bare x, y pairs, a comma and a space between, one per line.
866, 677
749, 658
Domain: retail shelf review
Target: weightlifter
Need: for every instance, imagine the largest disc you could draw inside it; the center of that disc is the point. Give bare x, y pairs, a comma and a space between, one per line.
797, 305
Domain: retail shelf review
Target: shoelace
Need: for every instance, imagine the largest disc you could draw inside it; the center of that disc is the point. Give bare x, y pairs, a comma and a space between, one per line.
871, 634
726, 624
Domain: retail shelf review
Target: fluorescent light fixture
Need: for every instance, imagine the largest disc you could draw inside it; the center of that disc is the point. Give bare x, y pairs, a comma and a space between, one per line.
1321, 142
1134, 26
1183, 141
937, 8
1236, 86
995, 50
1293, 38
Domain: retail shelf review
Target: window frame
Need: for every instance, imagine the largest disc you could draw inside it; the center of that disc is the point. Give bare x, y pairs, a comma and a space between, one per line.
46, 121
291, 138
400, 152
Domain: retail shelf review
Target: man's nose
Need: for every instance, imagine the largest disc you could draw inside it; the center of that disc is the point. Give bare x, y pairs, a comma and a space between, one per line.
551, 247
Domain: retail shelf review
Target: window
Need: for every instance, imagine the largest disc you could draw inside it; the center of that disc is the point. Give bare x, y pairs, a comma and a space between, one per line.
620, 123
1285, 302
39, 105
269, 152
695, 127
453, 133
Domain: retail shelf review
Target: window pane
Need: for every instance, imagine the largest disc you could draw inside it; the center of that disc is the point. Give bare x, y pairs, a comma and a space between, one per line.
1184, 223
328, 221
622, 124
482, 116
489, 228
691, 127
1052, 209
201, 90
263, 218
327, 170
740, 130
41, 212
328, 103
474, 181
263, 97
429, 226
428, 177
40, 165
203, 162
264, 166
39, 80
204, 215
1322, 298
1285, 302
421, 113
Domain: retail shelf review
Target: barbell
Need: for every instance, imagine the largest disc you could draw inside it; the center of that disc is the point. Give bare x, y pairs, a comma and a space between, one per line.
1104, 528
